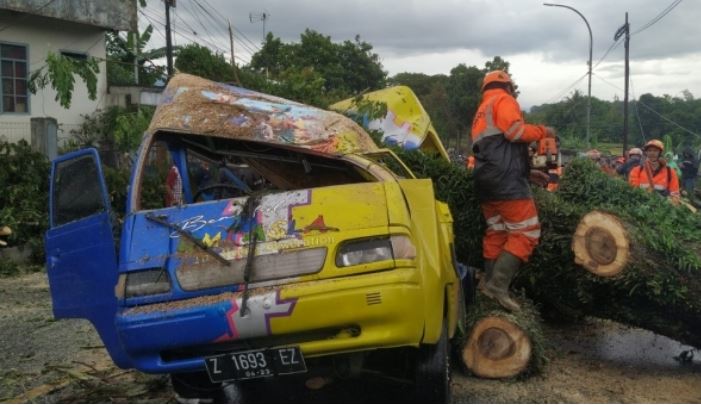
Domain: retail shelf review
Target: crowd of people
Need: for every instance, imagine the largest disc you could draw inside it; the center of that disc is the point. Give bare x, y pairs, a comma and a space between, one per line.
653, 169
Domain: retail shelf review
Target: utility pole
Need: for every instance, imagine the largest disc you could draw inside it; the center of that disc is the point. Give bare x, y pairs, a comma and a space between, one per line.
169, 44
625, 29
233, 57
259, 17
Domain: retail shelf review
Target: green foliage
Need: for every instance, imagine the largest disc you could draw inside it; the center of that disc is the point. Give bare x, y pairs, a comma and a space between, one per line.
569, 118
347, 68
129, 128
24, 200
59, 72
123, 51
200, 61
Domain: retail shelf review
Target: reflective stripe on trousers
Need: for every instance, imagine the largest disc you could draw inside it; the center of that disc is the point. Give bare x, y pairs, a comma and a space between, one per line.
513, 226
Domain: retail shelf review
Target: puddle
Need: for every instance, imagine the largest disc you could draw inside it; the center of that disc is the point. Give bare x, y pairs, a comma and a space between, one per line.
626, 346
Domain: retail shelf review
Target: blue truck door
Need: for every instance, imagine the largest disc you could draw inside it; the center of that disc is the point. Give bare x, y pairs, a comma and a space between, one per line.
80, 250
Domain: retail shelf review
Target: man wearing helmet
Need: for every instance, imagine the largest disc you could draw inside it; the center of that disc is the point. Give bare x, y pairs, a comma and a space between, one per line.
634, 157
500, 139
655, 174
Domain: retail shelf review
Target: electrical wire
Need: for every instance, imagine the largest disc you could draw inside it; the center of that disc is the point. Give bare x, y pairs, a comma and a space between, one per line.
198, 40
613, 46
657, 18
607, 82
669, 120
567, 90
250, 46
637, 113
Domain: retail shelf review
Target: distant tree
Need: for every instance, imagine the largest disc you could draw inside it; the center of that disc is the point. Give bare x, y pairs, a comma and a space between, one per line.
347, 68
464, 94
496, 64
201, 61
123, 51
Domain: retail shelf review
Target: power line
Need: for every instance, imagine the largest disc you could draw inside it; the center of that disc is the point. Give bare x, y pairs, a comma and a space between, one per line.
611, 48
250, 46
216, 24
200, 40
657, 18
196, 14
637, 113
607, 82
669, 120
562, 93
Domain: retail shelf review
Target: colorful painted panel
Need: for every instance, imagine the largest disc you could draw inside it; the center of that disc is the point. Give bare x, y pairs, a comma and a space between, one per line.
198, 106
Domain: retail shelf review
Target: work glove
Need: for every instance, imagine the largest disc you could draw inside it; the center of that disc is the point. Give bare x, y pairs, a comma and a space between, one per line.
538, 178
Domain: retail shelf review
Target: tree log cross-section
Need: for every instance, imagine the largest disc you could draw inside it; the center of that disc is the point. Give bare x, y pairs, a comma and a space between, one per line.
497, 348
600, 244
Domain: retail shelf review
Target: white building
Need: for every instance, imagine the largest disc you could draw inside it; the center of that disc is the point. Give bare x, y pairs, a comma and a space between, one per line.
29, 30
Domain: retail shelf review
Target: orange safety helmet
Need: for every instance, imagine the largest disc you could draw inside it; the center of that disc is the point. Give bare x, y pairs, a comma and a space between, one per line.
496, 76
654, 143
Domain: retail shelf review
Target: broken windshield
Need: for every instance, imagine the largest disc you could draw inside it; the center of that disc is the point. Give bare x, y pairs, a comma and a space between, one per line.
185, 169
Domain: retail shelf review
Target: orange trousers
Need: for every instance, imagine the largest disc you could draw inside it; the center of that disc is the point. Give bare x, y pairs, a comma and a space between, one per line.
512, 226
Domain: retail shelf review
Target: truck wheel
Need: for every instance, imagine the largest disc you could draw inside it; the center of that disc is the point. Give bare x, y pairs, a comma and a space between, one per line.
433, 370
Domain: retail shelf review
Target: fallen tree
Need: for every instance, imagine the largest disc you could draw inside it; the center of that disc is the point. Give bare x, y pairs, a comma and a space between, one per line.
639, 257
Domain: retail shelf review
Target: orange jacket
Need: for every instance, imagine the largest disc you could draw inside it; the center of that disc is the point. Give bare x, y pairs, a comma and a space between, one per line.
500, 141
499, 113
664, 181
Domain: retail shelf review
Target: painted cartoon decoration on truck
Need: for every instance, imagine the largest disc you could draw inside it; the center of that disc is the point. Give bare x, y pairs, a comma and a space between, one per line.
256, 321
273, 223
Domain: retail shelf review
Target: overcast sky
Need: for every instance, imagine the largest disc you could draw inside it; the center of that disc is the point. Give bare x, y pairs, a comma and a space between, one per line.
548, 47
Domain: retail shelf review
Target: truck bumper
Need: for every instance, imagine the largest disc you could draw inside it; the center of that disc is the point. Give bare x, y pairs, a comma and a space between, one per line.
325, 317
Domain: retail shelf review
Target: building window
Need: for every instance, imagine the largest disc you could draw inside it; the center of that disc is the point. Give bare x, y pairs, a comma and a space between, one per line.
13, 72
75, 55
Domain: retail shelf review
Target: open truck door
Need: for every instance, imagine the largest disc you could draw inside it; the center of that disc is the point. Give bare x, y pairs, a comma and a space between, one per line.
81, 259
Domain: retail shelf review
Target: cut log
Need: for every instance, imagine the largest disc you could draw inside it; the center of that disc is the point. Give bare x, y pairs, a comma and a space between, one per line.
497, 348
501, 344
600, 244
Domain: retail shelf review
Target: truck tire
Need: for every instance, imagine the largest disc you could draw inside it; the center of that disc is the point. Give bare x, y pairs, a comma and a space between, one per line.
433, 370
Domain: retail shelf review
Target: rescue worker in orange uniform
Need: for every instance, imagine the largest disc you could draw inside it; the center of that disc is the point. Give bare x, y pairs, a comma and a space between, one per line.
655, 174
500, 140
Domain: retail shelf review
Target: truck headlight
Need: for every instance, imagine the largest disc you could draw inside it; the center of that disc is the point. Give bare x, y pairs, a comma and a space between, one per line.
147, 282
375, 250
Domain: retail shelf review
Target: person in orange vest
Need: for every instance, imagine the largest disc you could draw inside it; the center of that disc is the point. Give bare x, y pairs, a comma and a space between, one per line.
655, 174
500, 139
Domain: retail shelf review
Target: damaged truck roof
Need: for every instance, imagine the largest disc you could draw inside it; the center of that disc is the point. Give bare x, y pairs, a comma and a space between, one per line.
201, 107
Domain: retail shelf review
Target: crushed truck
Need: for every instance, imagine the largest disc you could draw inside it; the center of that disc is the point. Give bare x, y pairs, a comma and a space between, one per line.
262, 239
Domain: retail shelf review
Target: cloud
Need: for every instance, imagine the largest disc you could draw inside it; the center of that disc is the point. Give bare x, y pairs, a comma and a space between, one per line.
546, 45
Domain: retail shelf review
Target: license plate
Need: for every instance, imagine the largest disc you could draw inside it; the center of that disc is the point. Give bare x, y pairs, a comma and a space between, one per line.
255, 364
